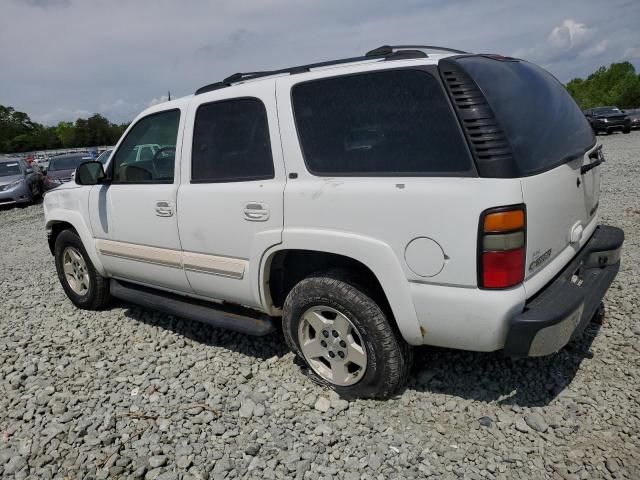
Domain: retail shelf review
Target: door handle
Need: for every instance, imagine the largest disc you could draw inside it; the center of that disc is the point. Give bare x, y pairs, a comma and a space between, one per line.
256, 212
164, 208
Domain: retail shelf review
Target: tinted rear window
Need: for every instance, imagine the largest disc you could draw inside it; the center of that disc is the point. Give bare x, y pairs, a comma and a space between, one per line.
395, 122
542, 122
231, 142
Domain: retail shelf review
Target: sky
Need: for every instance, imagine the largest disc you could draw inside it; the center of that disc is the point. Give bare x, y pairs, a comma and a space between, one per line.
64, 59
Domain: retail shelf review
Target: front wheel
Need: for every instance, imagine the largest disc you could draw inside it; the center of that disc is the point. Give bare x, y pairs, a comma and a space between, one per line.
84, 286
345, 337
626, 130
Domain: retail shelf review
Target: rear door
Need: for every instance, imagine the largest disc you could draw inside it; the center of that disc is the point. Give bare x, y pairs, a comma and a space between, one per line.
551, 143
230, 203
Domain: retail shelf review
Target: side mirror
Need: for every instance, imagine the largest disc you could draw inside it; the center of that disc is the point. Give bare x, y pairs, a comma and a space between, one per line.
90, 173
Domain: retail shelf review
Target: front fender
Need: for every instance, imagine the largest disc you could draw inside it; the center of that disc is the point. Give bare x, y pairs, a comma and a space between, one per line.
66, 208
376, 255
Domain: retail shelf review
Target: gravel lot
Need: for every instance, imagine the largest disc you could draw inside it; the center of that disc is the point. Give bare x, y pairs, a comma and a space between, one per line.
130, 393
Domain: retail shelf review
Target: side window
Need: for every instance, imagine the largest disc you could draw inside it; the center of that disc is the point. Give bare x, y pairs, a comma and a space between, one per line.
231, 142
147, 154
393, 123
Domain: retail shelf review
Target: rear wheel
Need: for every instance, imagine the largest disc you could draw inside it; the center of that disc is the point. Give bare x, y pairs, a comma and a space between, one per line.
345, 337
84, 286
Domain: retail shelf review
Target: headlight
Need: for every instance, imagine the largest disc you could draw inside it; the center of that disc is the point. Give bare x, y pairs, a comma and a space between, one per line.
11, 185
605, 120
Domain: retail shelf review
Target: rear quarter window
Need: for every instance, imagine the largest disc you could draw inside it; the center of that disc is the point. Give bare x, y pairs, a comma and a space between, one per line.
543, 124
385, 123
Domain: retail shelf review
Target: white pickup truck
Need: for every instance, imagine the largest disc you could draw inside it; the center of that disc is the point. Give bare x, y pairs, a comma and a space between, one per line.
414, 195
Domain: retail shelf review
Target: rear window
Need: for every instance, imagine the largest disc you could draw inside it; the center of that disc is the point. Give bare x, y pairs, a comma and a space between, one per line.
388, 123
543, 124
231, 142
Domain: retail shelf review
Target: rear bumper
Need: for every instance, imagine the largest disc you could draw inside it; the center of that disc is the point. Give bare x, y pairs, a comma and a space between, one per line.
562, 310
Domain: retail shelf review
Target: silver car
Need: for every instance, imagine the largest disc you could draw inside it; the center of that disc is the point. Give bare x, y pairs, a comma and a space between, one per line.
19, 183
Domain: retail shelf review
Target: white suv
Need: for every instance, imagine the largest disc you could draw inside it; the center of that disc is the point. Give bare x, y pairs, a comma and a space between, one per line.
374, 203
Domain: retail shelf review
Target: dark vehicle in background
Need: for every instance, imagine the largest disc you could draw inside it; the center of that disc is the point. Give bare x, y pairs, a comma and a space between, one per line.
608, 119
19, 182
62, 167
634, 116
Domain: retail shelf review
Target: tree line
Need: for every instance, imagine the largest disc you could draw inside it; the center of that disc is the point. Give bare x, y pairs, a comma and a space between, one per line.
618, 86
18, 133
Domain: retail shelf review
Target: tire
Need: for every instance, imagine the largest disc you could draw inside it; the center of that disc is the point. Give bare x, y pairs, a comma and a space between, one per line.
94, 292
626, 130
600, 315
33, 190
388, 357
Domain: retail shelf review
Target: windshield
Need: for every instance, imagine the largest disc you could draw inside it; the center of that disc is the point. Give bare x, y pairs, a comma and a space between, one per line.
9, 168
606, 110
104, 157
66, 163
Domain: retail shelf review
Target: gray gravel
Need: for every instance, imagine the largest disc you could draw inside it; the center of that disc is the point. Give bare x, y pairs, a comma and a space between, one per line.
131, 393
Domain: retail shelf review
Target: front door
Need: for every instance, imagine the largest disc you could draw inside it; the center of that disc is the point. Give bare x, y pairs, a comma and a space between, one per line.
230, 202
134, 217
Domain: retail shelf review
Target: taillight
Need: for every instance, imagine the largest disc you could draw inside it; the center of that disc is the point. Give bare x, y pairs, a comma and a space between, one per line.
501, 247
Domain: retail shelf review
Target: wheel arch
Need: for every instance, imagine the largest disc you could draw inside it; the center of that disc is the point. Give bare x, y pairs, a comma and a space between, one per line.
61, 220
303, 252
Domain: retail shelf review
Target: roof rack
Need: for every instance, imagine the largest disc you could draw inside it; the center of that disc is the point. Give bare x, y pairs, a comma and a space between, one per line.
389, 49
238, 77
385, 52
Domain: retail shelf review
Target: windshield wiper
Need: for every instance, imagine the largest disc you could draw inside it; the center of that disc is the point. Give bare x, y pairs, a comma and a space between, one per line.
596, 155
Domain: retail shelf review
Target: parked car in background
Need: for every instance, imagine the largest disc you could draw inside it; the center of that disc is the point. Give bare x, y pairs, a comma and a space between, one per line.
62, 167
42, 161
19, 182
104, 156
608, 119
634, 116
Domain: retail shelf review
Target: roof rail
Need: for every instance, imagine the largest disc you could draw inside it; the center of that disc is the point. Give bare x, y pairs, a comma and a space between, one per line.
389, 49
383, 53
238, 77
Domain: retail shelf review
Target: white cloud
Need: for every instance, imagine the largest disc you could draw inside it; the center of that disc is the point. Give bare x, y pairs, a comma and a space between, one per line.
156, 101
61, 115
569, 34
595, 50
576, 48
632, 53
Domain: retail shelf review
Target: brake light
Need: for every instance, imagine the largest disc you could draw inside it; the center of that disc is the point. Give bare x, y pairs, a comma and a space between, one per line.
501, 247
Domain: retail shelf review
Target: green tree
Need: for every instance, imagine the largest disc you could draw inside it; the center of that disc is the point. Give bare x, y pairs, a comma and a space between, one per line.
617, 85
18, 133
65, 132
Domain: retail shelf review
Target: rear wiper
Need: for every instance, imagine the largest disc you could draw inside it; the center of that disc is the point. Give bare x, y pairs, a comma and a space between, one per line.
598, 156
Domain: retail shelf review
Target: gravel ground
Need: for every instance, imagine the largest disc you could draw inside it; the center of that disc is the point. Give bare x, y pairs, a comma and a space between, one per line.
130, 393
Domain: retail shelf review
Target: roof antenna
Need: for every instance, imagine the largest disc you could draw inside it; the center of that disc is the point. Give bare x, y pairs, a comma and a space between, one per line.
169, 95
